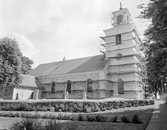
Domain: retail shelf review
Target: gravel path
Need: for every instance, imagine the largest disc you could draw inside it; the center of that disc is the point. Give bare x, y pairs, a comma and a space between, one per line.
159, 117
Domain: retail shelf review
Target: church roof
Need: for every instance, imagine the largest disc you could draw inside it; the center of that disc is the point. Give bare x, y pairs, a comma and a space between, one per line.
86, 64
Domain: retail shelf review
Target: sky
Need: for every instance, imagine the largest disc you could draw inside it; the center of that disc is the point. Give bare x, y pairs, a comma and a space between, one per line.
49, 30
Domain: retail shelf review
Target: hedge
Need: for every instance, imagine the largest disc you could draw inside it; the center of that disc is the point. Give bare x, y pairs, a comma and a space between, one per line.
70, 106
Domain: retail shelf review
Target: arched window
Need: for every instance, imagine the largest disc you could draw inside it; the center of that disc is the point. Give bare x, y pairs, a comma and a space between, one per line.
120, 86
119, 19
69, 86
53, 87
89, 85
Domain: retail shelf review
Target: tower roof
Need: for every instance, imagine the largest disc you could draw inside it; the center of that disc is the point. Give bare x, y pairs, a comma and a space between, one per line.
122, 11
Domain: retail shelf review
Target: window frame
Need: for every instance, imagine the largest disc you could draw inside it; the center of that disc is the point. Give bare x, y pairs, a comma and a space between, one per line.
118, 39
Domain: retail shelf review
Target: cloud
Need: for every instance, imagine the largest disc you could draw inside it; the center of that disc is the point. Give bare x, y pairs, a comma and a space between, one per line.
48, 30
24, 41
27, 47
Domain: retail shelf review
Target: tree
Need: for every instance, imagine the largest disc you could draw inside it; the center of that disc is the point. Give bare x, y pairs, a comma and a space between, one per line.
156, 10
12, 63
26, 65
155, 45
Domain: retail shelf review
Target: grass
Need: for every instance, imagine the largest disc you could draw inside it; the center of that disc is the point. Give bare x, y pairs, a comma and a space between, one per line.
38, 124
144, 115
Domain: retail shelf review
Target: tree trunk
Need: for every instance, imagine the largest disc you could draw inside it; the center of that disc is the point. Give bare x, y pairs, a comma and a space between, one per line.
155, 94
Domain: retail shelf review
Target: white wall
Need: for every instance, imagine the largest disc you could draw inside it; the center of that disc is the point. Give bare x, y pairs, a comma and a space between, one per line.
126, 77
124, 52
24, 94
123, 68
119, 29
125, 44
129, 95
124, 60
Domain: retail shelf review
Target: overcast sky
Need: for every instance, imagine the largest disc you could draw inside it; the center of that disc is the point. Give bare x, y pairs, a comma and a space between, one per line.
48, 30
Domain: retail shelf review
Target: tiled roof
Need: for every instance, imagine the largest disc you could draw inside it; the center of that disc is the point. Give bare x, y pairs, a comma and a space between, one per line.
30, 81
87, 64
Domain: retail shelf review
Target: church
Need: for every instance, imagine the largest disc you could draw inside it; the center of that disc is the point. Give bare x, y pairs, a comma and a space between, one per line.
118, 72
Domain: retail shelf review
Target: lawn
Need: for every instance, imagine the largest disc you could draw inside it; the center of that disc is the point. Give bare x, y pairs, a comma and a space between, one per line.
144, 114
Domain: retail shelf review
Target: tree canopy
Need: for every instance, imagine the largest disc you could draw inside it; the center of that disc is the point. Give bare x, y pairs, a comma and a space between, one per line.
155, 10
155, 45
12, 62
26, 67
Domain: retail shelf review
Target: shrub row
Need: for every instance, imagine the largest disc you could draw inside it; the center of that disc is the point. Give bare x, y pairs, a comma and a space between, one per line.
69, 106
36, 124
81, 117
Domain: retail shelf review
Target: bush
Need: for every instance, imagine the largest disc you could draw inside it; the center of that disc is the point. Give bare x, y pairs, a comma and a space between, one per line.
28, 124
125, 119
69, 105
103, 119
60, 117
114, 119
36, 124
91, 118
17, 126
135, 119
98, 118
80, 117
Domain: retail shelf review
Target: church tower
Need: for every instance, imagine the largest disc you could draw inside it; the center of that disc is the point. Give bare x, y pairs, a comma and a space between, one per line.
125, 66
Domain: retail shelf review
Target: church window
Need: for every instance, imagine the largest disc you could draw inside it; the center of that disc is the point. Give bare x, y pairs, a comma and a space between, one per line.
69, 86
89, 85
120, 86
118, 39
53, 87
119, 19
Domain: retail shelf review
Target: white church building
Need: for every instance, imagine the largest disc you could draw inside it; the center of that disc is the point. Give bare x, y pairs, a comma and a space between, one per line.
118, 72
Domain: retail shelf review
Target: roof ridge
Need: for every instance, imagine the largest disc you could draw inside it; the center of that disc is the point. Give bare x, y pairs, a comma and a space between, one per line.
70, 59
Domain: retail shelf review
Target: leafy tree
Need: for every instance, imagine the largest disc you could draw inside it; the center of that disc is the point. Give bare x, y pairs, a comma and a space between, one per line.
12, 63
26, 65
155, 10
155, 46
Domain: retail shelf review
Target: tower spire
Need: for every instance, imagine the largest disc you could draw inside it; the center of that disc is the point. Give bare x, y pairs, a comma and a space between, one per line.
120, 5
